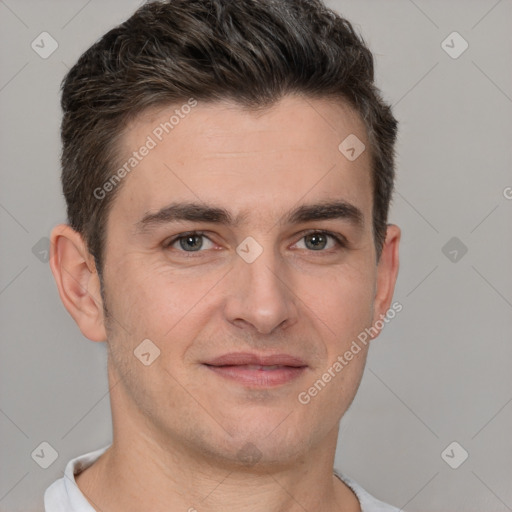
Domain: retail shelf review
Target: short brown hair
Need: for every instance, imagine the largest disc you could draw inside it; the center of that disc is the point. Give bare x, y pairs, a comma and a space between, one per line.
249, 51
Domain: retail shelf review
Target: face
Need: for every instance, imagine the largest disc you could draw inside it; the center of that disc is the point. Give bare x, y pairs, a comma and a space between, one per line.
242, 246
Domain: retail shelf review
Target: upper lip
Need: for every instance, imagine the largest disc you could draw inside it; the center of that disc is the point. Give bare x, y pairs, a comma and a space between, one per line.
246, 358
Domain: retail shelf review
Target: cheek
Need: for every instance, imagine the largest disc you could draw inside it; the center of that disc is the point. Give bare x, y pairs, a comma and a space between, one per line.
342, 300
345, 309
341, 314
153, 301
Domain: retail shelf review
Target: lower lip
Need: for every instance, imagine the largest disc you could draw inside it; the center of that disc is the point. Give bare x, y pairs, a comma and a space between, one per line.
257, 377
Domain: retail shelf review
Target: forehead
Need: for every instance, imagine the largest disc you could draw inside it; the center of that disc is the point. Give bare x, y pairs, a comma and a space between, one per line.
252, 162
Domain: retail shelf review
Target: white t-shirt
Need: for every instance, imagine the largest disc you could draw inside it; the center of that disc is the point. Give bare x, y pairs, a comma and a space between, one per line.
65, 496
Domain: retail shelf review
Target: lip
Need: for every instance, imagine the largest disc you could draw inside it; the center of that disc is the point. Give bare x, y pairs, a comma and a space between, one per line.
255, 370
247, 358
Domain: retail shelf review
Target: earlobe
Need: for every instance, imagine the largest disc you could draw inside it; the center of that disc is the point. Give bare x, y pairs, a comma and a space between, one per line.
77, 281
387, 272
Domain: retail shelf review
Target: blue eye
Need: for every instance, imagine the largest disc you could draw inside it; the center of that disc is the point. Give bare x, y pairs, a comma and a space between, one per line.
322, 240
315, 241
189, 242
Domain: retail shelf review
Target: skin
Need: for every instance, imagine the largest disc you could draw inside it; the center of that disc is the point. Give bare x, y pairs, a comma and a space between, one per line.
180, 431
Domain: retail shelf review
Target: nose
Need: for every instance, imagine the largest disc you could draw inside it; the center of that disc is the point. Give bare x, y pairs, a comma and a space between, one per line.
260, 295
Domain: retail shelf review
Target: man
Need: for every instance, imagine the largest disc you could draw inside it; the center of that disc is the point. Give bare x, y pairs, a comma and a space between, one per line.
228, 168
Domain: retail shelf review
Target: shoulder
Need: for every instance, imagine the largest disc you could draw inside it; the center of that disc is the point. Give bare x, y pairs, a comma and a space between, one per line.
64, 495
367, 502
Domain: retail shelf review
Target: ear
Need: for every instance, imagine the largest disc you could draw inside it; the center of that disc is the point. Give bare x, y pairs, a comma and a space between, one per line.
387, 272
77, 280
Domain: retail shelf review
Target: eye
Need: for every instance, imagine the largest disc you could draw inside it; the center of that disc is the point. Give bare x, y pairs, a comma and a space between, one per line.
189, 242
321, 241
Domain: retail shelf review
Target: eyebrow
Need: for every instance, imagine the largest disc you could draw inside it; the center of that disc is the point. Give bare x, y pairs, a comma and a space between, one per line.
199, 212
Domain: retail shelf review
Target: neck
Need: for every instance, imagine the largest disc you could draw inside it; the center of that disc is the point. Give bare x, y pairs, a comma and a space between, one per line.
137, 478
146, 469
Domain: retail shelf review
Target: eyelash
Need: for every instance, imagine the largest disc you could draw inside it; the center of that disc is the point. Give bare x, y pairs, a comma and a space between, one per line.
340, 240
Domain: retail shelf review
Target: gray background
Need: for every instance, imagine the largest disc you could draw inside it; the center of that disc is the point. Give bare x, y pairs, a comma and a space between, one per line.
439, 373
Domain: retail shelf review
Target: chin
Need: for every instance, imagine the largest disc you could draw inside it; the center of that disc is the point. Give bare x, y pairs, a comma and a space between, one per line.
262, 447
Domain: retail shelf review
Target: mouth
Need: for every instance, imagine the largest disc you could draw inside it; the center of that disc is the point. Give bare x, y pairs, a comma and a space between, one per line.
258, 371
